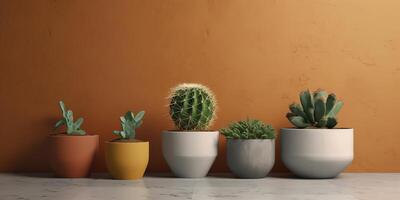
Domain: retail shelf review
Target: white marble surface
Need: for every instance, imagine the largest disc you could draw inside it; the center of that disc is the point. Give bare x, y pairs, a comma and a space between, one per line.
348, 186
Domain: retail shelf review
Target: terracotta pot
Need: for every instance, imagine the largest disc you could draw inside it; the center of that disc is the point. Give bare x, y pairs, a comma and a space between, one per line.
127, 159
72, 156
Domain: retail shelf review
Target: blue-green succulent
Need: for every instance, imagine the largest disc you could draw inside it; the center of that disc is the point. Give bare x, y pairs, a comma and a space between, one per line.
317, 109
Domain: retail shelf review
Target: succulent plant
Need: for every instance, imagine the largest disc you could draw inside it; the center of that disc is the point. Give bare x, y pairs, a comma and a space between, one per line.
73, 128
129, 122
192, 106
249, 129
316, 110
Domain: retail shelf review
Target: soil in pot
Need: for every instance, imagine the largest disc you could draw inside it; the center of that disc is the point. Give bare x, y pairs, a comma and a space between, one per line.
71, 156
127, 159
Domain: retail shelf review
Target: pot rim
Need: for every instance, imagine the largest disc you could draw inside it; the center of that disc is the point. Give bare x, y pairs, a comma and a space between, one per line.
127, 143
193, 131
249, 139
190, 132
316, 129
65, 135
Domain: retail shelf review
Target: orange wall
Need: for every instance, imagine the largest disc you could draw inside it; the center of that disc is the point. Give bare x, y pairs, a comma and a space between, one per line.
105, 57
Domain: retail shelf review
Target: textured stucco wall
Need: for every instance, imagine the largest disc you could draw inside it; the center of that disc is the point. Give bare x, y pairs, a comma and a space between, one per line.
105, 57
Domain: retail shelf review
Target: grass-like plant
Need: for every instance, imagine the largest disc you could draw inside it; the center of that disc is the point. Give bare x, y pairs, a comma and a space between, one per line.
73, 128
249, 129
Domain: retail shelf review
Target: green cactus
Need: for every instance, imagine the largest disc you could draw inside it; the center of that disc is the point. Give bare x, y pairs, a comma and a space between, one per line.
192, 106
73, 128
316, 110
129, 122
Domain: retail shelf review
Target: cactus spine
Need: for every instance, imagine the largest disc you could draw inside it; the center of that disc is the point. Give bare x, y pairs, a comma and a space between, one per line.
192, 106
316, 110
68, 120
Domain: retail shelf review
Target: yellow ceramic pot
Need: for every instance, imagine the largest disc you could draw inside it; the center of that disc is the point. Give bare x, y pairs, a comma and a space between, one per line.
127, 159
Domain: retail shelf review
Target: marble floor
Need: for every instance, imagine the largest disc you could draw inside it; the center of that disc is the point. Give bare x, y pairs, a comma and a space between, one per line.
382, 186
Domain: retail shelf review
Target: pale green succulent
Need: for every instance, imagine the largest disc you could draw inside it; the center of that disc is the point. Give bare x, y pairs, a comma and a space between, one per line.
73, 128
129, 122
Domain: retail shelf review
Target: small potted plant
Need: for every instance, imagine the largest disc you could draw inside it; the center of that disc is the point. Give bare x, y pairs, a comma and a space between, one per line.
72, 151
315, 149
126, 157
191, 150
250, 148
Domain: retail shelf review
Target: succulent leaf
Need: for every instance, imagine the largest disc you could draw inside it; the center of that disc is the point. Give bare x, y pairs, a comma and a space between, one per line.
129, 116
330, 102
139, 116
308, 105
139, 124
298, 121
78, 123
297, 110
63, 108
59, 123
336, 108
320, 94
331, 122
319, 111
289, 115
122, 135
70, 117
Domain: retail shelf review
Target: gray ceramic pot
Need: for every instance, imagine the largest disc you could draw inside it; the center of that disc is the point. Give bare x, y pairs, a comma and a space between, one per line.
253, 158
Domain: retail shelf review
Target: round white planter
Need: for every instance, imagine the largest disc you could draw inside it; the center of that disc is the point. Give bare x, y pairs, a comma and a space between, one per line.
316, 153
190, 154
251, 158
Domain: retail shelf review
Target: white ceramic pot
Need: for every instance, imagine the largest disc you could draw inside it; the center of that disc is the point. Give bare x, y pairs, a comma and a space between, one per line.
316, 153
190, 154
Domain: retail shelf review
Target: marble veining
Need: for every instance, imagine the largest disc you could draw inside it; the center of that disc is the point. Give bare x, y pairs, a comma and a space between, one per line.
348, 186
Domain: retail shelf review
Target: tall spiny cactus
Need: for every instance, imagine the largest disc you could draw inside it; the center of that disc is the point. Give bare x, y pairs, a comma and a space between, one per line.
129, 122
192, 106
316, 110
68, 120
